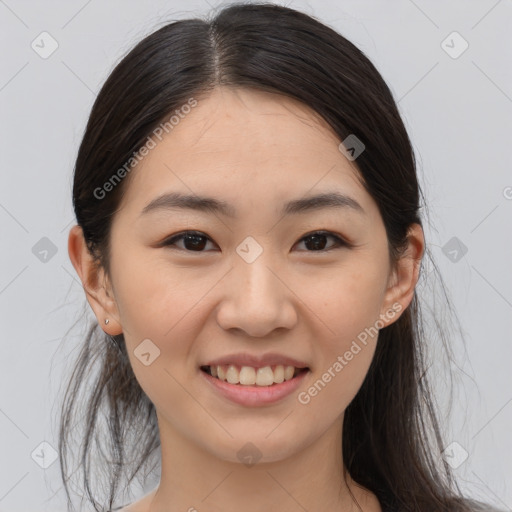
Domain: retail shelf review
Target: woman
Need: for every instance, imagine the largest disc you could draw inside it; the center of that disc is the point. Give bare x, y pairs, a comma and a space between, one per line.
249, 239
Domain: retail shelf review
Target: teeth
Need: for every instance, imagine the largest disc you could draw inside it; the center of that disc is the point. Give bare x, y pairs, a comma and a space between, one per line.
232, 375
249, 376
279, 374
221, 372
265, 376
288, 372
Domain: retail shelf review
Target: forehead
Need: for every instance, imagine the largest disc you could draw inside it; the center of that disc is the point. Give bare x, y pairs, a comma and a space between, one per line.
239, 143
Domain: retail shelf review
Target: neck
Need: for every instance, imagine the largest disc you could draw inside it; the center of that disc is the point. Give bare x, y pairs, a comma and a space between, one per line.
312, 479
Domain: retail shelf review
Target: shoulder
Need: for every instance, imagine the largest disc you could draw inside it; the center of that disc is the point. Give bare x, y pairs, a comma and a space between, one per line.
139, 506
478, 506
458, 504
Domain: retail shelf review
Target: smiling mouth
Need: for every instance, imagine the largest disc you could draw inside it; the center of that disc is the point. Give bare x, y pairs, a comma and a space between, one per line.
249, 376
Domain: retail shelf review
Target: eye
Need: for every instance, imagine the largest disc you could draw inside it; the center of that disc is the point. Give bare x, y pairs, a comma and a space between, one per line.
195, 241
316, 240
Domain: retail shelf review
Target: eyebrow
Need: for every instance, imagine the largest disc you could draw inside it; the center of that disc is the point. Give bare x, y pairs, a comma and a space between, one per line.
175, 200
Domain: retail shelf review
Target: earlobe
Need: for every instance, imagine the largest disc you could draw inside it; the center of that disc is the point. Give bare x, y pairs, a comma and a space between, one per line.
94, 283
404, 277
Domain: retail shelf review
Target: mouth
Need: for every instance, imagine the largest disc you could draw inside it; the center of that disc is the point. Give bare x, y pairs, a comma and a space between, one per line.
266, 376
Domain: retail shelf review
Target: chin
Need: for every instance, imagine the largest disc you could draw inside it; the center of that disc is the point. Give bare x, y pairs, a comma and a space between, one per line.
255, 448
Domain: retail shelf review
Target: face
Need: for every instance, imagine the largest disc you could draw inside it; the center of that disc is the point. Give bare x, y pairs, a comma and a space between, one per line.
304, 283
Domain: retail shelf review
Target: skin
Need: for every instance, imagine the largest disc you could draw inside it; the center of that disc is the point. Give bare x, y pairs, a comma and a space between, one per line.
254, 150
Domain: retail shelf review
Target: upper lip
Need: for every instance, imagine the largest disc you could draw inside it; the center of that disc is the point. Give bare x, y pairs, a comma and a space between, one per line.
256, 361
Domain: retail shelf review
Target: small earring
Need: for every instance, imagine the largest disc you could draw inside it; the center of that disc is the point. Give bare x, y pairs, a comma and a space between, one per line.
106, 320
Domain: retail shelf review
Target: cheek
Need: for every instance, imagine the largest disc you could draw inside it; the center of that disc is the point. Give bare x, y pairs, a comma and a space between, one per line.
163, 305
350, 300
344, 361
350, 309
156, 300
333, 388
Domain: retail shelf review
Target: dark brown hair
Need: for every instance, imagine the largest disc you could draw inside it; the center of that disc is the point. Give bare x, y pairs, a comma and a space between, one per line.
391, 439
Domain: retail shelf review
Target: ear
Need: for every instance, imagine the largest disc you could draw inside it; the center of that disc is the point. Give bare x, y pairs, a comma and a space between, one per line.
404, 277
96, 284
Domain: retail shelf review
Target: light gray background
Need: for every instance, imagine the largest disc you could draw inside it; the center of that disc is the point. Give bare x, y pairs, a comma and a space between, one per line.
458, 113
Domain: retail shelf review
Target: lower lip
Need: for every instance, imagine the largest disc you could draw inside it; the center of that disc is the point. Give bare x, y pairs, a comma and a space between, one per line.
254, 396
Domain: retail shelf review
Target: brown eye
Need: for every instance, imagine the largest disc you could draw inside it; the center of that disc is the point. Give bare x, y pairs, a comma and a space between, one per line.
317, 241
193, 241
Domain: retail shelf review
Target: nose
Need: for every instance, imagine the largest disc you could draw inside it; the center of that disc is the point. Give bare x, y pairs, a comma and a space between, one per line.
256, 299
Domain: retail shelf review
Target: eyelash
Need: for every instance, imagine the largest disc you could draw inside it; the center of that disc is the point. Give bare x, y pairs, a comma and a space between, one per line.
340, 242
